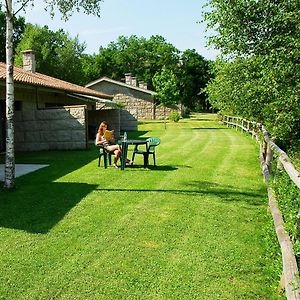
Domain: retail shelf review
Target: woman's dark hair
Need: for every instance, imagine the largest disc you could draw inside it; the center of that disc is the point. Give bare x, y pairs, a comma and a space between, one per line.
105, 123
100, 129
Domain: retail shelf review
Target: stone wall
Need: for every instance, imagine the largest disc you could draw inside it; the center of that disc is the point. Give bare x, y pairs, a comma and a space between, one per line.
159, 111
51, 129
137, 104
138, 108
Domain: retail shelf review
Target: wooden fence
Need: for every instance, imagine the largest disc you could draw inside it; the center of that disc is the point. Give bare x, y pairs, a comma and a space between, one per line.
268, 149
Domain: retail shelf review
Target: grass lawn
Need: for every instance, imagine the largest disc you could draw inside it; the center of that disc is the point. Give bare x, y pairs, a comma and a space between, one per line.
192, 228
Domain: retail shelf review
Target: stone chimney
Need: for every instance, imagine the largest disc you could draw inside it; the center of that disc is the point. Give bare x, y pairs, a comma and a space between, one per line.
29, 61
143, 85
128, 78
133, 81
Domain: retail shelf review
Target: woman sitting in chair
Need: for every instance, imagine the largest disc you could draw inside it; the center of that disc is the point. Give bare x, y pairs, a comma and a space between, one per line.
108, 143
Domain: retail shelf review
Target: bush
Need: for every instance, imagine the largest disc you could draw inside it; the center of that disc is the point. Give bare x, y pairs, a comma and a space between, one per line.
187, 112
288, 197
174, 116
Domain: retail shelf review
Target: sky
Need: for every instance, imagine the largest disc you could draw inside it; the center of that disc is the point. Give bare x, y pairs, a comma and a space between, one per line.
176, 20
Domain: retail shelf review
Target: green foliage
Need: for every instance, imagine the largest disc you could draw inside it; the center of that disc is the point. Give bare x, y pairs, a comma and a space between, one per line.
18, 25
57, 54
174, 116
140, 56
262, 78
68, 7
165, 84
193, 76
288, 197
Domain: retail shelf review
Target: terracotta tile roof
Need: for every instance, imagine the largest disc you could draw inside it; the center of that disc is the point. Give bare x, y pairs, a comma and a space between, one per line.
38, 79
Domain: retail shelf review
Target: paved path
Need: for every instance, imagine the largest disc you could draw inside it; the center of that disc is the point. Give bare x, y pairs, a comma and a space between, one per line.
22, 169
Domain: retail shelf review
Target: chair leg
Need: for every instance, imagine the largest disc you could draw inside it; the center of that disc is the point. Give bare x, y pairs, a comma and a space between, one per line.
133, 155
105, 159
146, 159
154, 158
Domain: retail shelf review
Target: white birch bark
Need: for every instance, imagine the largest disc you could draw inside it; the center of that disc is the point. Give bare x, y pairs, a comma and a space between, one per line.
9, 180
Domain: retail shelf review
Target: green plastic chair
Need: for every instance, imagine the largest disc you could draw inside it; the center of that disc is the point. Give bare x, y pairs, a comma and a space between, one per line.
102, 152
106, 157
150, 150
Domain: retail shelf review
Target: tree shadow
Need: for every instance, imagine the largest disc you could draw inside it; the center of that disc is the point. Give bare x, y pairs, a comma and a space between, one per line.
226, 193
60, 162
196, 119
37, 208
209, 128
154, 168
152, 122
38, 202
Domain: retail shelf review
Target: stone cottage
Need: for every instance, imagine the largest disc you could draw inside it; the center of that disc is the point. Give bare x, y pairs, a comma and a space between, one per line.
52, 113
137, 100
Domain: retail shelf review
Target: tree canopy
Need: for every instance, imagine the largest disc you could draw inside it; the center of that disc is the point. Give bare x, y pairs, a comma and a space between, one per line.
166, 88
193, 76
167, 92
57, 54
260, 76
19, 27
138, 55
144, 58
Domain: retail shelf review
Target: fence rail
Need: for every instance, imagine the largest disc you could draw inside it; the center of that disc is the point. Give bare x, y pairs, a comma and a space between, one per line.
290, 276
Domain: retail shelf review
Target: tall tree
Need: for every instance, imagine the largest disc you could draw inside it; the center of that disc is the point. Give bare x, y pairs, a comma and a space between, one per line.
18, 29
57, 54
260, 41
66, 8
138, 55
167, 92
193, 75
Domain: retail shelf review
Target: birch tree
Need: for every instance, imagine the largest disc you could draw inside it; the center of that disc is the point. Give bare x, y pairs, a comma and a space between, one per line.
66, 8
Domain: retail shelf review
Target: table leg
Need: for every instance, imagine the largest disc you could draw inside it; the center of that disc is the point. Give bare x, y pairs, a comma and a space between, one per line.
124, 155
146, 159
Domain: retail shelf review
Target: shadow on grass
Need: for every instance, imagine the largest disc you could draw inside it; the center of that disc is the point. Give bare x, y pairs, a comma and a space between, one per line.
196, 119
209, 128
38, 209
228, 192
152, 122
203, 188
154, 168
38, 202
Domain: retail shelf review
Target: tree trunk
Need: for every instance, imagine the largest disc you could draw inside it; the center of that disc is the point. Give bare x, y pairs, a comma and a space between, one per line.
9, 180
165, 117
